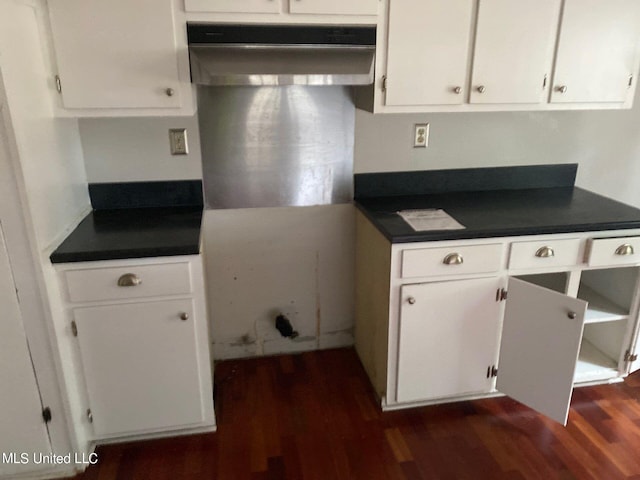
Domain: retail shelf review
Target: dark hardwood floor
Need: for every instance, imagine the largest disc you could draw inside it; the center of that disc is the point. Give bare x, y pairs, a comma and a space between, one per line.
314, 416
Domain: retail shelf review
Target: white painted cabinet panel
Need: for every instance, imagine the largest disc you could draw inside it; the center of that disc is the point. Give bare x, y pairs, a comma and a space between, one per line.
21, 423
111, 55
541, 339
427, 51
334, 7
140, 364
597, 51
144, 366
232, 6
448, 338
514, 47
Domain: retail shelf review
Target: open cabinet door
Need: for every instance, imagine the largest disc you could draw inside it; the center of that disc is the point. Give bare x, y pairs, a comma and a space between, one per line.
635, 365
539, 348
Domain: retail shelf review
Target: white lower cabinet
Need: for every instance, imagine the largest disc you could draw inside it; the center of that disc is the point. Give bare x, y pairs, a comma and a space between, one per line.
531, 332
140, 366
442, 332
141, 347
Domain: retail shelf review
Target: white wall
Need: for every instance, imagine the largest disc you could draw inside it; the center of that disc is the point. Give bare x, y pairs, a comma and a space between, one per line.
605, 144
49, 148
137, 149
297, 261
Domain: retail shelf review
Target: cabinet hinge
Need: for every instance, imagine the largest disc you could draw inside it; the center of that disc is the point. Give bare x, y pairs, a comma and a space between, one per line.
74, 328
58, 84
630, 357
501, 294
492, 371
46, 414
544, 82
89, 415
630, 80
384, 83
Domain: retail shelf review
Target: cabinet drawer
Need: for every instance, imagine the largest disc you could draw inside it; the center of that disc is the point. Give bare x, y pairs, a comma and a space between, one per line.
541, 254
138, 281
613, 251
453, 260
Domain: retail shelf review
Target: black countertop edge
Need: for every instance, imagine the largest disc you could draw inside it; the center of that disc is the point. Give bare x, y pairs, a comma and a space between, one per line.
158, 194
430, 182
132, 233
454, 235
124, 254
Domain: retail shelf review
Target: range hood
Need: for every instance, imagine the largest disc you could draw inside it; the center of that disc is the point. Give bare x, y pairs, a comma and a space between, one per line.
255, 55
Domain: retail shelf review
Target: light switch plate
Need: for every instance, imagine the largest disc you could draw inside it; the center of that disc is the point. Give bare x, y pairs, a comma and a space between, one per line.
178, 141
421, 135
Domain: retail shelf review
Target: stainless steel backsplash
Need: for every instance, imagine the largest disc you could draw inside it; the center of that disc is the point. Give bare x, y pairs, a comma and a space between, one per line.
276, 146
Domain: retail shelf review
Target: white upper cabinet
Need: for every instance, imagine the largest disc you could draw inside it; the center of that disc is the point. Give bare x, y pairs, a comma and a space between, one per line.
233, 6
337, 7
597, 51
525, 55
282, 11
427, 51
514, 50
113, 58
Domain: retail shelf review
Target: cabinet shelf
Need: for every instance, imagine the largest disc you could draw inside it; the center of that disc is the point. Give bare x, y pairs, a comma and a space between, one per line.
593, 364
601, 308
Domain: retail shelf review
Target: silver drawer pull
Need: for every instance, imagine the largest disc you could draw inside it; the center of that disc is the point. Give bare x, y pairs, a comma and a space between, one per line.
625, 249
129, 280
453, 259
411, 300
572, 315
545, 252
184, 316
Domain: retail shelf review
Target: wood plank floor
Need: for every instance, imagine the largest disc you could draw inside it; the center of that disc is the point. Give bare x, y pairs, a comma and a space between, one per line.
314, 416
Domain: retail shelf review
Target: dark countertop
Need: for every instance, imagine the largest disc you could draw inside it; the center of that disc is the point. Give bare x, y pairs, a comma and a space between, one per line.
132, 233
498, 213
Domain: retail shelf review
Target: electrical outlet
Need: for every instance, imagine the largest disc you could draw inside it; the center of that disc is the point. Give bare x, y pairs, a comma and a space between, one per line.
421, 135
178, 141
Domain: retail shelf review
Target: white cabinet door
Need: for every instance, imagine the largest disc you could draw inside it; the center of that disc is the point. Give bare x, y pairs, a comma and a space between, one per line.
514, 47
427, 52
140, 364
233, 6
335, 7
539, 348
115, 54
23, 429
448, 338
597, 51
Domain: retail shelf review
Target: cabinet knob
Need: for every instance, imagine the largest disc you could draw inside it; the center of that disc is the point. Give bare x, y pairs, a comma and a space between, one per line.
453, 259
545, 252
572, 315
562, 89
481, 89
457, 90
129, 280
170, 92
411, 300
184, 316
625, 249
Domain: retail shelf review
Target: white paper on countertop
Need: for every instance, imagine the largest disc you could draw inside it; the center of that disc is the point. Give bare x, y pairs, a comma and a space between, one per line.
431, 219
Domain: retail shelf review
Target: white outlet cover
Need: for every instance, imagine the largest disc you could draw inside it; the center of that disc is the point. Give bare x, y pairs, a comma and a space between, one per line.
421, 135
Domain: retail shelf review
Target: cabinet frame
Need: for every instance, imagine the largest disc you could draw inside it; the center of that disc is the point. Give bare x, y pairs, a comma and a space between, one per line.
372, 98
378, 319
74, 367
